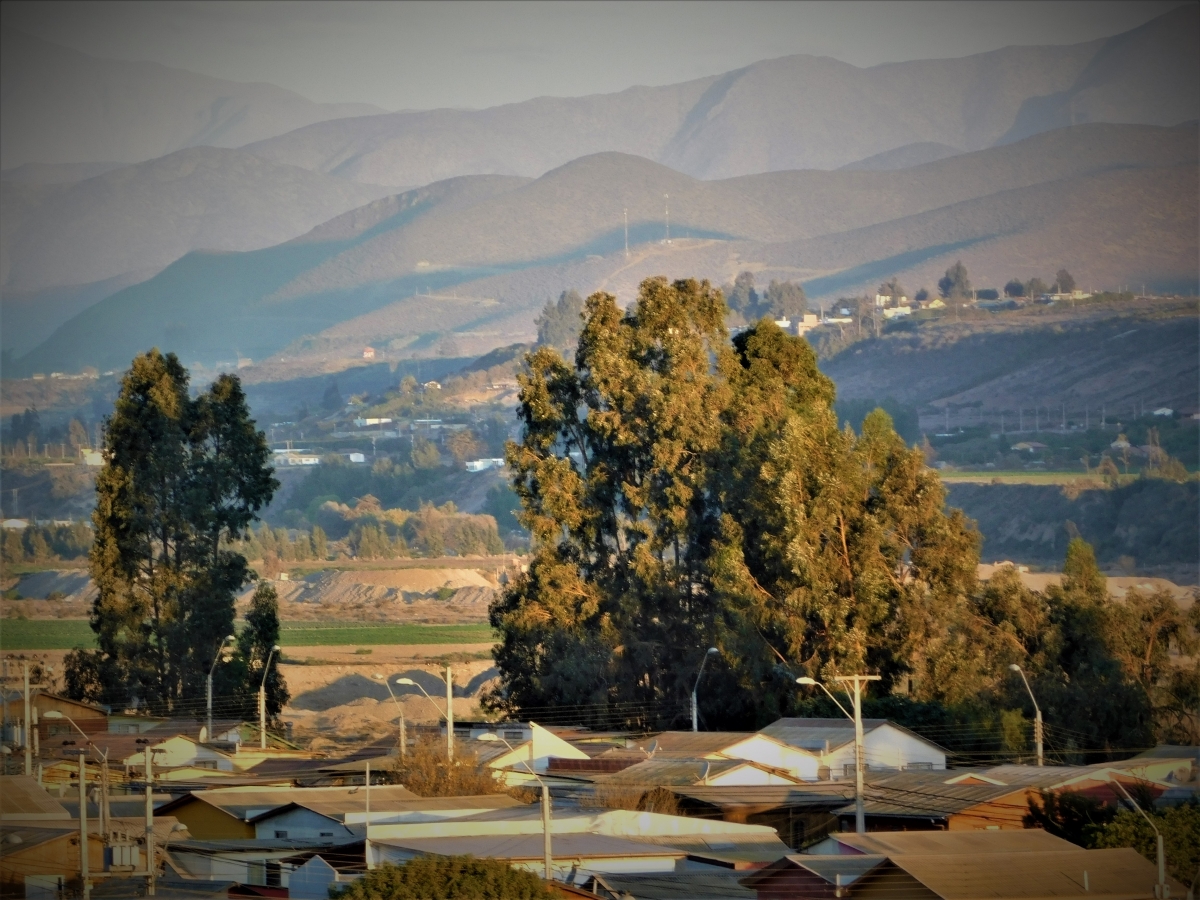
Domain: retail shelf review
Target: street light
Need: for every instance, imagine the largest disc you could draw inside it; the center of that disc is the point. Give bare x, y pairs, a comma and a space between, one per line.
1037, 711
1161, 891
403, 737
860, 815
262, 702
211, 669
547, 859
449, 680
712, 651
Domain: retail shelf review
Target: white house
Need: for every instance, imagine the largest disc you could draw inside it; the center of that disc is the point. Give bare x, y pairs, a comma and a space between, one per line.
482, 465
528, 744
182, 750
750, 746
887, 746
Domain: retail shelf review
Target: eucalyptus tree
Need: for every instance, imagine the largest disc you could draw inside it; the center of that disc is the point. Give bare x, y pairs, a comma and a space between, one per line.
685, 492
182, 477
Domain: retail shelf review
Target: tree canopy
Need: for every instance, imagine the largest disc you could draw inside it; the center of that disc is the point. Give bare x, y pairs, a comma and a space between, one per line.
683, 492
558, 325
955, 283
182, 478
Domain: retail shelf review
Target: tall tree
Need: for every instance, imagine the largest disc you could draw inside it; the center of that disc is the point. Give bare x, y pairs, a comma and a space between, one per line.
786, 299
255, 643
684, 493
955, 284
181, 479
558, 325
1064, 282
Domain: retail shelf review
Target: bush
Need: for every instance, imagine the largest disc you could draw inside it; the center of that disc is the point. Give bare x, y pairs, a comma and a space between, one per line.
447, 878
425, 771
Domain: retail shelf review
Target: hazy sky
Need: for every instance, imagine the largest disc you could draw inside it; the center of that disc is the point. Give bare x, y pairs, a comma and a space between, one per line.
420, 55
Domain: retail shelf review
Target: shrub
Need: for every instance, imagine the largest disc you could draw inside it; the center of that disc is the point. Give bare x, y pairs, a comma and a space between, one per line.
447, 878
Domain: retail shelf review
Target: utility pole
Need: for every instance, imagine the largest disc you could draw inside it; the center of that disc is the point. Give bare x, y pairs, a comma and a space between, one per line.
84, 875
449, 714
625, 212
860, 816
367, 820
151, 866
26, 740
1037, 712
667, 214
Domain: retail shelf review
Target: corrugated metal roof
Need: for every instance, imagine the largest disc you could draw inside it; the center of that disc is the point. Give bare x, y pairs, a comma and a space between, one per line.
835, 869
30, 836
924, 842
814, 795
692, 741
918, 794
718, 885
825, 735
654, 772
530, 846
21, 797
1111, 873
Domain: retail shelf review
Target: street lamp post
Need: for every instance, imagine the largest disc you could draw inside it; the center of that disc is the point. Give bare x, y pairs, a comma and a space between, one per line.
212, 669
1037, 712
712, 651
547, 858
262, 702
400, 709
449, 716
1161, 890
860, 815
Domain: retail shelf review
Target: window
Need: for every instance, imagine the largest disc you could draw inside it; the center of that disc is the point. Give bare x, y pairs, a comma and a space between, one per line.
514, 735
281, 834
326, 834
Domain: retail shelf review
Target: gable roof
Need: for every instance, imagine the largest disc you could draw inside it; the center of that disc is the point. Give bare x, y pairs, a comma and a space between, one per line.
841, 871
826, 735
686, 772
530, 846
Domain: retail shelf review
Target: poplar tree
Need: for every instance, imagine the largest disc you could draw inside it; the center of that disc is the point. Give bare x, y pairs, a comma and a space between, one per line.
182, 478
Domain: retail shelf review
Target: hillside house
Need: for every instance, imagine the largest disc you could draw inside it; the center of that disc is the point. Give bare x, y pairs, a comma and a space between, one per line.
750, 746
368, 353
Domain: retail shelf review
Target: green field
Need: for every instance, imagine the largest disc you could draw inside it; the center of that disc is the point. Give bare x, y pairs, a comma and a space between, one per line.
64, 634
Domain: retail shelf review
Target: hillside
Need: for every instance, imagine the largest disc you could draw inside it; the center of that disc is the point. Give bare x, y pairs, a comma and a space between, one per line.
1108, 201
1112, 357
797, 112
63, 106
1153, 524
137, 219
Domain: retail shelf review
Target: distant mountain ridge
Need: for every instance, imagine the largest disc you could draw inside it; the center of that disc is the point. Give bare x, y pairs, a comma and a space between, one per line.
63, 106
493, 247
797, 112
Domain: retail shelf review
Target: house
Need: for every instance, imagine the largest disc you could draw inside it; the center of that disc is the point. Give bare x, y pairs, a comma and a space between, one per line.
1074, 874
90, 717
991, 799
355, 457
368, 353
15, 524
41, 860
23, 799
296, 458
690, 772
230, 813
1164, 411
886, 843
1028, 447
751, 746
575, 857
886, 746
528, 744
182, 750
895, 311
482, 465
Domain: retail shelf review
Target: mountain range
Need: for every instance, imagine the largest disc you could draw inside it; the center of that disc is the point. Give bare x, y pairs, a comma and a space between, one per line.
216, 218
1029, 206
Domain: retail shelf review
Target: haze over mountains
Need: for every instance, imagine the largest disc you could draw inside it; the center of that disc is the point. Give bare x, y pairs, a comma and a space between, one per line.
489, 235
934, 158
